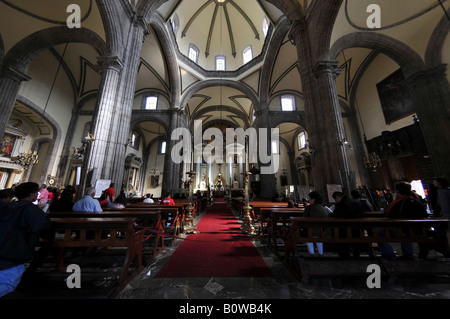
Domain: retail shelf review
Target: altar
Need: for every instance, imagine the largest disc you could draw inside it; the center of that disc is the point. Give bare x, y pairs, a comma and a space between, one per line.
219, 178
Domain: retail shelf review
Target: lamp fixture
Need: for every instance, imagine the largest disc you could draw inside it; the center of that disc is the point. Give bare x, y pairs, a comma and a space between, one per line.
344, 142
89, 138
372, 161
27, 159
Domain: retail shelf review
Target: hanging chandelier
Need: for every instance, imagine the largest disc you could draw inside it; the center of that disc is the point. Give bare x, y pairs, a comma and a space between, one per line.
372, 161
27, 159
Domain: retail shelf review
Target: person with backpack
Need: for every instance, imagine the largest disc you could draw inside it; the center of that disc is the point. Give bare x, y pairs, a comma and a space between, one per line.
21, 224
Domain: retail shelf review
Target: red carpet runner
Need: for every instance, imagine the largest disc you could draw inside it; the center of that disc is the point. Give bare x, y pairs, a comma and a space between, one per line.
217, 251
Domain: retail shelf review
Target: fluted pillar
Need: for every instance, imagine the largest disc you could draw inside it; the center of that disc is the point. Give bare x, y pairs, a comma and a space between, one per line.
329, 162
10, 81
120, 128
267, 181
111, 68
172, 178
335, 150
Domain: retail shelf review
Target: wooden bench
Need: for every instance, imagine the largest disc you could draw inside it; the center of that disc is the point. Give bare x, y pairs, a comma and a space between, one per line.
154, 219
339, 230
178, 219
429, 233
276, 219
98, 232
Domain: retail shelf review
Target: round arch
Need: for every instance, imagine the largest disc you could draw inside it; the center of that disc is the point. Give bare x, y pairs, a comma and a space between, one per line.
211, 83
433, 54
404, 56
26, 50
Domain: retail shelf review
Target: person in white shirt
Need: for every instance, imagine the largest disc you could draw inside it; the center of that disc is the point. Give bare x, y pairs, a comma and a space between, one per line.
148, 199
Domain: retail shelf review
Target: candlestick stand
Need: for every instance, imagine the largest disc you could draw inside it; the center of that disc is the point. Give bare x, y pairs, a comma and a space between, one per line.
247, 227
189, 227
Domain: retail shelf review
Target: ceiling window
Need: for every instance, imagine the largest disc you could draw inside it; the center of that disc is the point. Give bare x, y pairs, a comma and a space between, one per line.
287, 103
151, 102
265, 26
247, 54
220, 63
193, 53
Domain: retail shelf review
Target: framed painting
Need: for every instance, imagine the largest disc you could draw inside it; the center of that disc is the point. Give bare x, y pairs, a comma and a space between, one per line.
395, 97
7, 145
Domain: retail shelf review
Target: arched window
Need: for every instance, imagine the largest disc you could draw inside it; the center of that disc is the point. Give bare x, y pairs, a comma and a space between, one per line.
134, 141
193, 53
220, 63
151, 103
287, 103
247, 54
163, 146
301, 140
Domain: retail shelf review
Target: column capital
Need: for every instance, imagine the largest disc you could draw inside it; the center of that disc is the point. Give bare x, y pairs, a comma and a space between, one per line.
297, 27
139, 21
330, 67
109, 62
15, 74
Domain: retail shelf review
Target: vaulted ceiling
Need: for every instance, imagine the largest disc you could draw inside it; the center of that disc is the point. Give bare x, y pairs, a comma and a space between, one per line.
216, 27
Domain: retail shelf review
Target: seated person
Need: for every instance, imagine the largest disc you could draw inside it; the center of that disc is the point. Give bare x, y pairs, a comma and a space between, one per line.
277, 198
356, 195
148, 199
347, 207
88, 203
404, 206
32, 222
168, 200
104, 201
6, 195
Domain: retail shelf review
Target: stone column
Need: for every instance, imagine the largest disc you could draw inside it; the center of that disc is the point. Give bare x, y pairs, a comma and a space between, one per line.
335, 151
431, 92
172, 178
111, 68
267, 181
294, 175
329, 162
10, 81
120, 125
241, 170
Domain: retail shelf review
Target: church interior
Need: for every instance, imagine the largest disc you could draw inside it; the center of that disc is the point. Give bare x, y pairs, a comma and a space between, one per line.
345, 94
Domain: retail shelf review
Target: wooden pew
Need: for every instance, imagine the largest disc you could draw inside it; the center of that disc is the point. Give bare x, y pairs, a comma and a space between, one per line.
431, 231
152, 219
277, 219
257, 206
98, 232
176, 215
